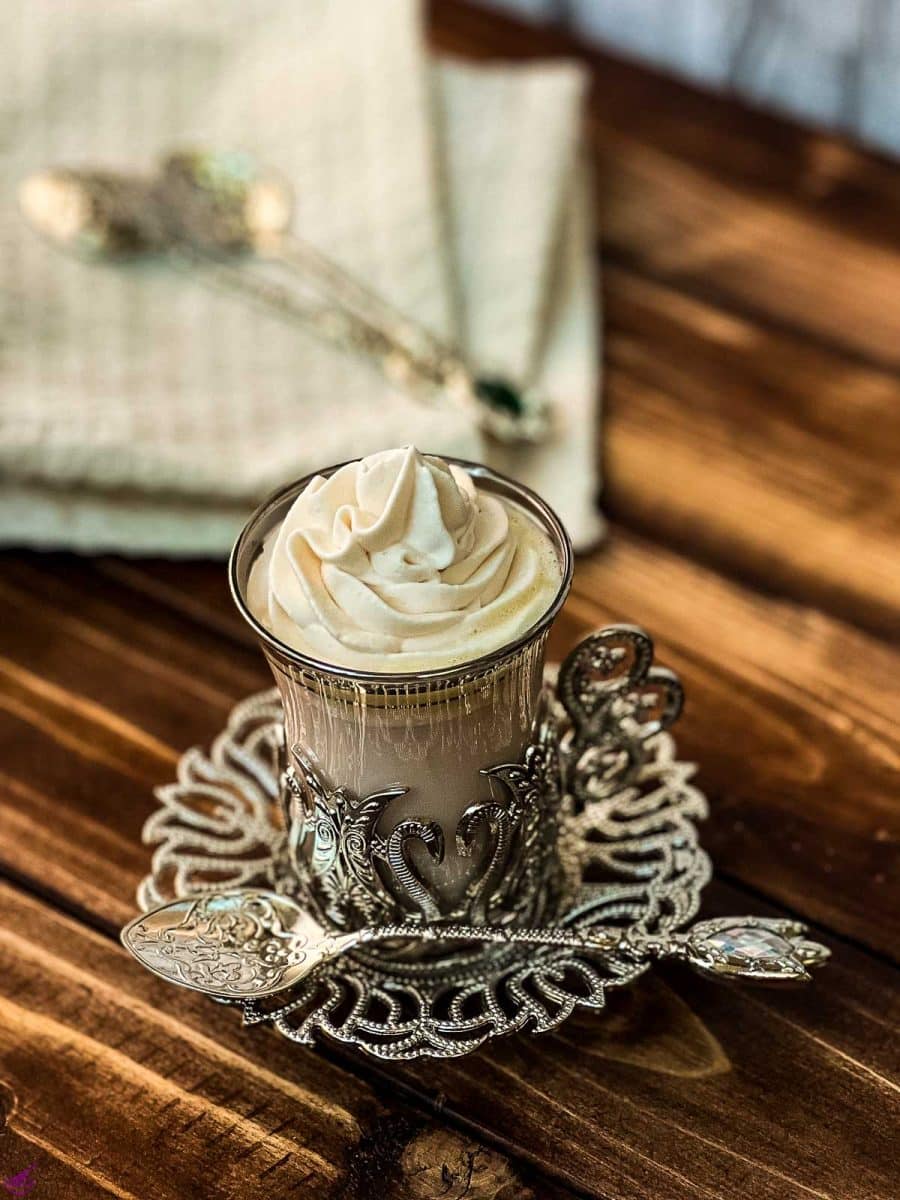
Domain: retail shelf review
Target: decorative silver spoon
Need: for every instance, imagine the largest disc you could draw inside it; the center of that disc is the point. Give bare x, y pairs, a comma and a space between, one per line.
207, 208
246, 944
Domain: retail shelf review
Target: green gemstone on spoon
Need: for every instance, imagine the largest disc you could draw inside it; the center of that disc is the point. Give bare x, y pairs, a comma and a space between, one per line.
499, 395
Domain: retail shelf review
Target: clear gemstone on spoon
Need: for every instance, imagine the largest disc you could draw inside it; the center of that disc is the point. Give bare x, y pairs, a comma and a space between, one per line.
754, 948
747, 944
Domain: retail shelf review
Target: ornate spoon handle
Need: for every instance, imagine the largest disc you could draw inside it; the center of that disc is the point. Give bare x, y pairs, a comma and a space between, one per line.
224, 202
754, 949
430, 370
425, 372
205, 210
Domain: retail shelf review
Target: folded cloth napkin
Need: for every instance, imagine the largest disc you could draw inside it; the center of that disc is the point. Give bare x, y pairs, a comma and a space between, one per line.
141, 412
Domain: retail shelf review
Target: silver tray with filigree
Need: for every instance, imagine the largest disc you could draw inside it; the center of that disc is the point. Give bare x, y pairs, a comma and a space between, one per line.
601, 783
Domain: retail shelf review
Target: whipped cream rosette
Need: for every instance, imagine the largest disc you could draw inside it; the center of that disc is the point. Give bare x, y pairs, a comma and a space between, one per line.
398, 562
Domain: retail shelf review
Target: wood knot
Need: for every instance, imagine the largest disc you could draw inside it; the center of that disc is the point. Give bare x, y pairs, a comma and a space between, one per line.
439, 1163
403, 1159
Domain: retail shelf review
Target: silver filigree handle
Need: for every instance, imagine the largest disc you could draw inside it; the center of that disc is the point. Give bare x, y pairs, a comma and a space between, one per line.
751, 949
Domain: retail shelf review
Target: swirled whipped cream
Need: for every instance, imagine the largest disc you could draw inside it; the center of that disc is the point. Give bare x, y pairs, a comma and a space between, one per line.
398, 562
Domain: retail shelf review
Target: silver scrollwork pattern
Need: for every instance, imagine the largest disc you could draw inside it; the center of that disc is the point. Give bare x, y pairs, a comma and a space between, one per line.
352, 875
236, 952
603, 762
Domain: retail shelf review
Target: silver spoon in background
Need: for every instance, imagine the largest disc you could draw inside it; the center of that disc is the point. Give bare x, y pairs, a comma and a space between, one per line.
247, 944
219, 210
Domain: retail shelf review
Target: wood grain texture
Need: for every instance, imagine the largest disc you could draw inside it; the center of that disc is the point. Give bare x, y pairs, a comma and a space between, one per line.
669, 1056
798, 225
794, 719
689, 1090
166, 1106
750, 279
793, 716
684, 1089
633, 1106
115, 1084
751, 276
98, 700
774, 458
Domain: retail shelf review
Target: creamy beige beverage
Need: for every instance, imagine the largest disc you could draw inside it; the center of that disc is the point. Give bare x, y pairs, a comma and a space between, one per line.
405, 607
398, 563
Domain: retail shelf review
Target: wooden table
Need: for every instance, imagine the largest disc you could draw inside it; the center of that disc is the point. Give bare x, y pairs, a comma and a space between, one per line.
752, 292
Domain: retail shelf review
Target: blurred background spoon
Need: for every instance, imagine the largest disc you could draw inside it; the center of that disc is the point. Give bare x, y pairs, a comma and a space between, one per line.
222, 211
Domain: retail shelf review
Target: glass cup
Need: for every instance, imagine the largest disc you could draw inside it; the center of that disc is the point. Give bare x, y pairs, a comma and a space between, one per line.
388, 807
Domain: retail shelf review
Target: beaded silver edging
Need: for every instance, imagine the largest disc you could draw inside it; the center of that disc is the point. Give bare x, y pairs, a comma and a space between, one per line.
627, 844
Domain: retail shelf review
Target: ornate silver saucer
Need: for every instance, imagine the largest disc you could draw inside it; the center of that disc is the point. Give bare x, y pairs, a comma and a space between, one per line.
600, 783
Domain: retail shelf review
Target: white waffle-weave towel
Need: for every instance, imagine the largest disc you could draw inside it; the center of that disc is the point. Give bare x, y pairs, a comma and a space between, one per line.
139, 411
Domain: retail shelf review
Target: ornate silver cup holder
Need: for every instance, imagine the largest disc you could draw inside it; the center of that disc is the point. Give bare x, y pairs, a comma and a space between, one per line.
600, 787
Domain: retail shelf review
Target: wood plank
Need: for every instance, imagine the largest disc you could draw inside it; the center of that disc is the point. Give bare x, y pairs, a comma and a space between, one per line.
684, 225
100, 692
51, 1177
751, 404
792, 716
649, 1118
689, 1090
701, 192
168, 1106
684, 1089
794, 719
769, 456
175, 1099
197, 590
